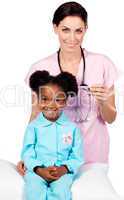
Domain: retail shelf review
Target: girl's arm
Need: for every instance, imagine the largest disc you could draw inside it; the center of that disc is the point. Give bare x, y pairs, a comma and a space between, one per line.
28, 154
21, 168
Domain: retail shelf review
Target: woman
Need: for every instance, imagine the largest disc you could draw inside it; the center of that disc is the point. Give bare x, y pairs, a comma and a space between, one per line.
91, 69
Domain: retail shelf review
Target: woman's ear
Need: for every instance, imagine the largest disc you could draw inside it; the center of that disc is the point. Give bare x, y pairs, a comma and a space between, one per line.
55, 28
85, 30
86, 27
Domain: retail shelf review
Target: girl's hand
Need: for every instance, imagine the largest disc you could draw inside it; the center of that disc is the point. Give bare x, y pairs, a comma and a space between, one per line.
21, 168
60, 171
46, 174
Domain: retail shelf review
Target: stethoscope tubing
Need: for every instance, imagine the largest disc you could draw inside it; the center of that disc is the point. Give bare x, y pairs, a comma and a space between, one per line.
82, 84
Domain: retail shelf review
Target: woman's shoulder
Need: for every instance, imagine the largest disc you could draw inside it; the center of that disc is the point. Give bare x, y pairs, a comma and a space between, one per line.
48, 63
100, 61
45, 61
105, 70
97, 56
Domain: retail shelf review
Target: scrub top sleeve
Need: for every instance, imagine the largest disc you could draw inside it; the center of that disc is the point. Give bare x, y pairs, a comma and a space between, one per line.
110, 72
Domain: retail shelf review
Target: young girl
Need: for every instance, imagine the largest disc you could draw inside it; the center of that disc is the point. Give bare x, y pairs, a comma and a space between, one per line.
52, 150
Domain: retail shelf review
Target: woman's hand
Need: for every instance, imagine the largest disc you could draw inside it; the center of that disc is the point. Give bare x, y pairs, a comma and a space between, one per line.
105, 98
101, 93
21, 168
35, 106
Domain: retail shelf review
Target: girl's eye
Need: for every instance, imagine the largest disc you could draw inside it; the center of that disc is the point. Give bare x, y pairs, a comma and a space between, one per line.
60, 100
44, 99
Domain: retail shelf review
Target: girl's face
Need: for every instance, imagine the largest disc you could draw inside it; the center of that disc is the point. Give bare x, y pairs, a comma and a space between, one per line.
51, 100
70, 31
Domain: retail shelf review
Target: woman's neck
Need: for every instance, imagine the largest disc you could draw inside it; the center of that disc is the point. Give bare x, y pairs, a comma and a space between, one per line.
70, 57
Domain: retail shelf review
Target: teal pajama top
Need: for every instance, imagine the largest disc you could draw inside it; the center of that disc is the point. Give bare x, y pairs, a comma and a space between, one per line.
48, 143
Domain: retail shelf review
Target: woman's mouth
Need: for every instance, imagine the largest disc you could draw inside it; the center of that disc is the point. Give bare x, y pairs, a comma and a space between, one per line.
71, 45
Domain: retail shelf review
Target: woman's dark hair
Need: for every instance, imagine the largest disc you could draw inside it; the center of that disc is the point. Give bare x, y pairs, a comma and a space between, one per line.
70, 9
64, 80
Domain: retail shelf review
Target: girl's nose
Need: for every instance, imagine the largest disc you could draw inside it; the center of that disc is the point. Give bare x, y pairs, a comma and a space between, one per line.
52, 105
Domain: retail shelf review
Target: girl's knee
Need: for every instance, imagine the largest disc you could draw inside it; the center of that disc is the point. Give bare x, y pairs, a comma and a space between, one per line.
33, 179
62, 183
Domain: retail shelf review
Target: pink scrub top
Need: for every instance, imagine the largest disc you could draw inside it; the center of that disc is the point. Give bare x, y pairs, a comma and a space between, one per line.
99, 70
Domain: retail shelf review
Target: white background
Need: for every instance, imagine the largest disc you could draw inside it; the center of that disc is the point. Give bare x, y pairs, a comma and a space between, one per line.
26, 35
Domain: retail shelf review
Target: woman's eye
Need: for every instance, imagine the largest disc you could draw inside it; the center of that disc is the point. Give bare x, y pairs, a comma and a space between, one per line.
79, 31
65, 30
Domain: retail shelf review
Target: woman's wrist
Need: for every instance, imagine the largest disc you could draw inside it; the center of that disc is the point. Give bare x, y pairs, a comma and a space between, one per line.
108, 112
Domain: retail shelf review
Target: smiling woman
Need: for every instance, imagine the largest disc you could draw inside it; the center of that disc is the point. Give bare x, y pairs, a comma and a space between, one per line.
71, 29
98, 73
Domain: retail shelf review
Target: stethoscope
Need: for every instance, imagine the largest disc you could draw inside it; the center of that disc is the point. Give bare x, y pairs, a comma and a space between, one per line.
84, 65
82, 85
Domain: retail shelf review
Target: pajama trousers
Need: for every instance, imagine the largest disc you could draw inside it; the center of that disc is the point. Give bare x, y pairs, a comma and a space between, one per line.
36, 188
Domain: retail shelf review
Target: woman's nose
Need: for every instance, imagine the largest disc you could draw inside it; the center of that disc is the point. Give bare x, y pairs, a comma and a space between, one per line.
72, 37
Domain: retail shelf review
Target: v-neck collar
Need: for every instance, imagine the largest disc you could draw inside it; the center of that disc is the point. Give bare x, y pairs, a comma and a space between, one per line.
79, 75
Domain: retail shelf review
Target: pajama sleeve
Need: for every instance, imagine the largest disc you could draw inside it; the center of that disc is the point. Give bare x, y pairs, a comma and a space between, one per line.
28, 154
76, 157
